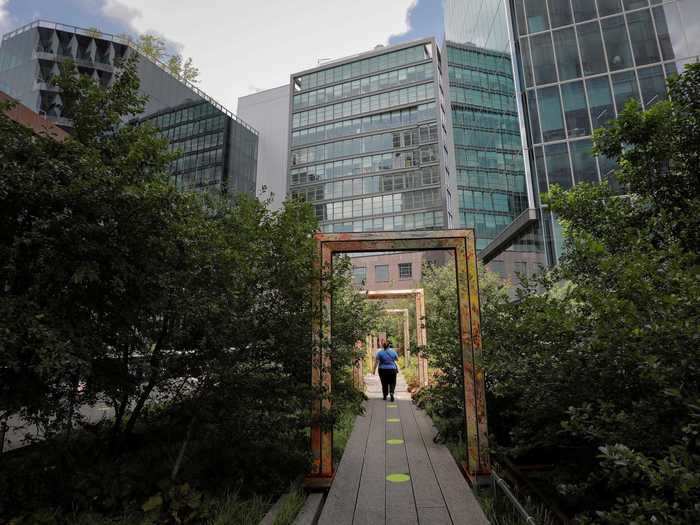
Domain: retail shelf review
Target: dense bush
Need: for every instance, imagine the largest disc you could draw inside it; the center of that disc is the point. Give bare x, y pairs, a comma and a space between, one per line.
189, 315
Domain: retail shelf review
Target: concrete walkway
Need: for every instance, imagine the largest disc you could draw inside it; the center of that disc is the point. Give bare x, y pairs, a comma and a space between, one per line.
393, 473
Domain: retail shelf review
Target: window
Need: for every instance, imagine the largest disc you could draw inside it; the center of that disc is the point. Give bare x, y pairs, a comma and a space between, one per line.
550, 114
583, 10
543, 59
609, 7
381, 273
498, 267
592, 54
635, 4
671, 40
536, 15
405, 270
616, 43
558, 167
559, 13
624, 88
583, 161
359, 275
534, 120
643, 38
520, 268
575, 110
653, 85
567, 54
600, 100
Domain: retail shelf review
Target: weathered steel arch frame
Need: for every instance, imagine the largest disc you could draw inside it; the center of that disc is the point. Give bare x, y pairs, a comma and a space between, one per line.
418, 295
462, 243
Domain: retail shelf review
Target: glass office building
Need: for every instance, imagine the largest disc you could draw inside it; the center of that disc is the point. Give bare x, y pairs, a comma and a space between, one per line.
219, 150
368, 141
579, 62
487, 148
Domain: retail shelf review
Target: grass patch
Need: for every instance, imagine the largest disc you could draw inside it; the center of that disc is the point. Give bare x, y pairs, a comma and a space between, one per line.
230, 509
292, 504
341, 431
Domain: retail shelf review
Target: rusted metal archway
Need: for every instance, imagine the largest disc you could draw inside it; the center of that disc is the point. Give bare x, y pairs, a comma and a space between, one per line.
463, 246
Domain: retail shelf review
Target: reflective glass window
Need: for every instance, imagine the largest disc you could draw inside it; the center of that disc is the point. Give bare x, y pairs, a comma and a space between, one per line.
635, 4
527, 67
643, 38
575, 110
534, 120
558, 168
539, 167
520, 17
550, 114
567, 54
600, 100
609, 7
616, 43
668, 28
536, 15
583, 10
624, 88
653, 85
592, 53
543, 59
559, 13
583, 161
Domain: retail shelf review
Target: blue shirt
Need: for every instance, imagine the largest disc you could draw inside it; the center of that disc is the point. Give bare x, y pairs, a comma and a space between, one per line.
387, 359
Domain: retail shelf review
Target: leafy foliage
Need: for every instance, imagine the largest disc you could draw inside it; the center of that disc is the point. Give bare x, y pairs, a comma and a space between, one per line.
189, 317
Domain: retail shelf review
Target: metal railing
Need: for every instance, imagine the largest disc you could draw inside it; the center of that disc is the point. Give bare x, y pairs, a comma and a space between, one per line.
498, 483
129, 42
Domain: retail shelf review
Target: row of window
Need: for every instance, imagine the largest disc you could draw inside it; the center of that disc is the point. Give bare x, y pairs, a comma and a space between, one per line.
494, 160
482, 98
369, 144
410, 221
591, 60
580, 116
472, 118
492, 201
487, 139
199, 178
497, 180
381, 273
367, 66
467, 75
184, 131
383, 204
427, 176
356, 166
555, 164
479, 60
187, 114
532, 15
362, 105
197, 160
365, 86
198, 143
487, 225
390, 119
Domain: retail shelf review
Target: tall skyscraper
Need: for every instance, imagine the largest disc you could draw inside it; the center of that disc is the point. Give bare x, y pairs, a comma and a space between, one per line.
579, 61
368, 142
219, 151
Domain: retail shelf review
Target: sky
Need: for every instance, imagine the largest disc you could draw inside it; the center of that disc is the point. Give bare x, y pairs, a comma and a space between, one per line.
242, 46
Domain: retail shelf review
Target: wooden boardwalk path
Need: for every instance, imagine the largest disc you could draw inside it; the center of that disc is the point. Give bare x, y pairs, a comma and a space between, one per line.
397, 439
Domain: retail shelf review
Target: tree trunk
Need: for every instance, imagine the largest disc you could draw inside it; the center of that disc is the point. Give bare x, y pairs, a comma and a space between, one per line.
183, 447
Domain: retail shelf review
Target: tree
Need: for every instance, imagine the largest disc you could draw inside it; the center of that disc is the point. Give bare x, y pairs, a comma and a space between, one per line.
152, 46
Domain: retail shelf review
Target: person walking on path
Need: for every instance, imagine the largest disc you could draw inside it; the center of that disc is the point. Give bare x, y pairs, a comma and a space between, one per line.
387, 363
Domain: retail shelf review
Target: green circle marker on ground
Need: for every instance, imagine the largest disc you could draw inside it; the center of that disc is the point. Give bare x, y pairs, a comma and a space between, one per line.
392, 406
394, 441
393, 420
398, 478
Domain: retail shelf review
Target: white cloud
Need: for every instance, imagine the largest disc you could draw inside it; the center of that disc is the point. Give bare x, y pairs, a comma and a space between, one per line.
240, 45
121, 12
4, 16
